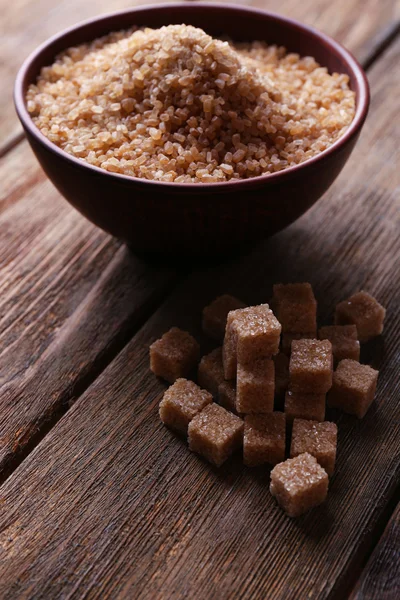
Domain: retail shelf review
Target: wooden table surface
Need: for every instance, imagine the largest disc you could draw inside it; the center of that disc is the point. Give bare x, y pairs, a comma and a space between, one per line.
97, 498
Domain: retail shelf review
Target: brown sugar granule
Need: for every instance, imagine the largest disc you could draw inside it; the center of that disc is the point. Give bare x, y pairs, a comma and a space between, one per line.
175, 105
215, 434
174, 355
295, 307
264, 439
344, 341
227, 395
364, 312
353, 388
304, 406
299, 484
181, 402
251, 333
318, 439
255, 387
216, 314
310, 367
281, 362
287, 339
211, 371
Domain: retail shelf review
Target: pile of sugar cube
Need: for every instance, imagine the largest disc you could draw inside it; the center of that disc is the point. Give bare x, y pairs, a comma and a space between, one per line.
267, 358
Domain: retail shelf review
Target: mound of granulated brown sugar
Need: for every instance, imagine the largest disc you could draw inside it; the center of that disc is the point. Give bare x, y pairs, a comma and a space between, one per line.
174, 104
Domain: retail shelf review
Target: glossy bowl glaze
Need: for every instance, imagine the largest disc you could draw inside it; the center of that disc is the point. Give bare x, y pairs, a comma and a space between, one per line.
185, 220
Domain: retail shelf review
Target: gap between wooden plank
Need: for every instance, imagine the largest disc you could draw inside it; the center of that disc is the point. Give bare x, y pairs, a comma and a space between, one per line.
372, 545
11, 142
130, 509
380, 580
382, 42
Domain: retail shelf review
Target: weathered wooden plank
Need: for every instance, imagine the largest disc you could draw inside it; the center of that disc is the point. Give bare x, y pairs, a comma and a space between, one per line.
19, 173
25, 24
50, 259
380, 579
111, 504
70, 296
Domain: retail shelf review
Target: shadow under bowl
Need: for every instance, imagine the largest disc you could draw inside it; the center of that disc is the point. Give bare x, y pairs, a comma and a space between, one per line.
195, 220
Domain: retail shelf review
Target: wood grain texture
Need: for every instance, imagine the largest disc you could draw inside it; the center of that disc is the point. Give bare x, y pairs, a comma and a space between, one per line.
52, 258
380, 579
70, 296
25, 24
111, 504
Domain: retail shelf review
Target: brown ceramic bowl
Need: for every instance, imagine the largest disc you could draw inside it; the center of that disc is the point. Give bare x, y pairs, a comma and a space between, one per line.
195, 219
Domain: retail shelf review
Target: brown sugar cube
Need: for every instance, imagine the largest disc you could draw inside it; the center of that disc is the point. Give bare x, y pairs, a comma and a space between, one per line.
295, 307
181, 402
310, 367
364, 312
227, 395
281, 362
287, 339
304, 406
344, 341
299, 484
251, 333
264, 439
211, 371
258, 334
216, 313
215, 434
318, 439
353, 388
255, 387
174, 355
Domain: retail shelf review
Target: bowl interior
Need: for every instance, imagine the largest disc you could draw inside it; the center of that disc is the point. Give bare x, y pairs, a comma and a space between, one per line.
238, 23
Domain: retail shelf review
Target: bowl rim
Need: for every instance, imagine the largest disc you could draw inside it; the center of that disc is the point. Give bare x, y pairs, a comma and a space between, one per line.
362, 104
